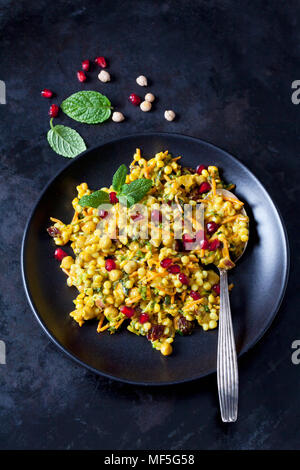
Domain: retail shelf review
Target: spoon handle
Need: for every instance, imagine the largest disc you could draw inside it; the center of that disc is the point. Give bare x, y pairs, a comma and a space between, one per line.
227, 369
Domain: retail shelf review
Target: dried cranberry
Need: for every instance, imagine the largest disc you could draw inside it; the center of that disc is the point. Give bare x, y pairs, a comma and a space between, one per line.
211, 227
187, 238
195, 295
137, 216
214, 245
204, 244
53, 231
134, 99
113, 197
103, 214
128, 311
59, 254
200, 168
183, 279
155, 332
174, 269
144, 317
53, 111
101, 61
156, 216
85, 65
183, 325
166, 263
204, 188
81, 76
110, 264
46, 93
216, 289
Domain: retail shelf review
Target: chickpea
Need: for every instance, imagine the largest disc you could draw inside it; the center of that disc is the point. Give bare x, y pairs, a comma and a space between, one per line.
145, 106
111, 312
168, 170
169, 115
105, 242
142, 80
67, 262
118, 117
207, 285
130, 267
166, 349
88, 227
150, 97
115, 275
104, 76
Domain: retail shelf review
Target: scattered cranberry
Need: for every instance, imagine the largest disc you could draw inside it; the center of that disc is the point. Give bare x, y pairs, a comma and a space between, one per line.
85, 65
113, 197
174, 269
214, 245
204, 188
211, 227
110, 264
216, 289
47, 93
101, 61
81, 76
183, 279
144, 317
134, 99
156, 216
128, 311
137, 216
53, 111
59, 254
166, 263
103, 214
195, 295
200, 168
204, 244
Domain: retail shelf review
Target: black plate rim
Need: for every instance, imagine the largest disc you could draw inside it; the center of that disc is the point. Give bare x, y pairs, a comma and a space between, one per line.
154, 134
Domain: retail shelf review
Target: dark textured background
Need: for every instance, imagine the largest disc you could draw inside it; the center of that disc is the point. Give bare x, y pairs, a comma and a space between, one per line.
226, 68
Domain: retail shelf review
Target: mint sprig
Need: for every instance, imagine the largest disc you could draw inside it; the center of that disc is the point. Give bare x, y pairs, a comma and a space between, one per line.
136, 190
65, 141
128, 194
119, 178
90, 107
95, 199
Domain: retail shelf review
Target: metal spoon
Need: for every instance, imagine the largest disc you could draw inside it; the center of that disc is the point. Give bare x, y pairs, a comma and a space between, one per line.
227, 369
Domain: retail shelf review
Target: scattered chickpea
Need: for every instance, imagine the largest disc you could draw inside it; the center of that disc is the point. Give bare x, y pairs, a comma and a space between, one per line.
104, 76
145, 106
169, 115
118, 117
142, 80
149, 97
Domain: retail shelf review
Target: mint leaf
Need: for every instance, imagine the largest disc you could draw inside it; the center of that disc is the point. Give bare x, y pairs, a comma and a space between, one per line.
65, 141
126, 201
119, 178
89, 107
95, 199
136, 189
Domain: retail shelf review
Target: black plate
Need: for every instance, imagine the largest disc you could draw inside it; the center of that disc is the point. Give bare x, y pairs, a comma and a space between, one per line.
260, 277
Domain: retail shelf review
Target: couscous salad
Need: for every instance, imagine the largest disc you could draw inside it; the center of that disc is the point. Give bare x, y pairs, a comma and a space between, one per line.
146, 277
